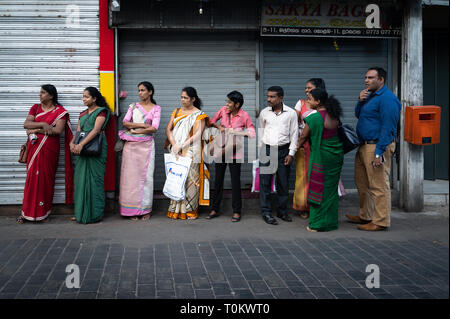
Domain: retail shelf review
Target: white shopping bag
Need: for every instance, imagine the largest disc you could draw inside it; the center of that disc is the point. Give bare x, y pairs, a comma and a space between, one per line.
176, 174
255, 182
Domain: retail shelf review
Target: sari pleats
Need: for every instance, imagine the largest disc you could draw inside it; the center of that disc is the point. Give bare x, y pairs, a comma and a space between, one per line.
89, 187
136, 179
89, 193
196, 186
326, 160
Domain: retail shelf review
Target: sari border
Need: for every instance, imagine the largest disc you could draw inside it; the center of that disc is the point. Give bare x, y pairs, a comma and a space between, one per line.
45, 137
37, 218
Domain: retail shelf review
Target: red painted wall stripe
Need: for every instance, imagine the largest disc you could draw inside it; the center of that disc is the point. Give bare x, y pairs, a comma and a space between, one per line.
106, 39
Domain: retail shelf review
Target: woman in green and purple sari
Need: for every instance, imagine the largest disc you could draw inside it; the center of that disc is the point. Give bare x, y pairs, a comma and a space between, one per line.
326, 160
89, 196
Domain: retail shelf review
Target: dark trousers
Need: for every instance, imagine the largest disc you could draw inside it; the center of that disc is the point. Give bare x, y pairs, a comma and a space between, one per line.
282, 183
235, 171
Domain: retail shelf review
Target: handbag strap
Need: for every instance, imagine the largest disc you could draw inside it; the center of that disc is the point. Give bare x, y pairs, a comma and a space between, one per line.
89, 115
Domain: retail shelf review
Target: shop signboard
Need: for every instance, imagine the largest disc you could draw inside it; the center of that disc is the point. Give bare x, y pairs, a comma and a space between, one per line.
355, 19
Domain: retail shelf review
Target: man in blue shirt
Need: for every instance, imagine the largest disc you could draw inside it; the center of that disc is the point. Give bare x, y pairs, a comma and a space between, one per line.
378, 112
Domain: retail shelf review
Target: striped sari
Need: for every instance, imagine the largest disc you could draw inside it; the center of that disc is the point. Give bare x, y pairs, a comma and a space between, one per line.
326, 160
197, 182
138, 163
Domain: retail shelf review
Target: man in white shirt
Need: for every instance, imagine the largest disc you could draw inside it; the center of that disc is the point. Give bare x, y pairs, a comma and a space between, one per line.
278, 135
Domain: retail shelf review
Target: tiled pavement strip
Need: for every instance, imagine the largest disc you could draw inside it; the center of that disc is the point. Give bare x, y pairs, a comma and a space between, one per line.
251, 266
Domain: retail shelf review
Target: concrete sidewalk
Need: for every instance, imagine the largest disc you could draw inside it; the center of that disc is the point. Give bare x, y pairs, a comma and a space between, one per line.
163, 258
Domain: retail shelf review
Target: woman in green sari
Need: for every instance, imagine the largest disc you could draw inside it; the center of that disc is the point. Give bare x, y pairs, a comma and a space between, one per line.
326, 160
89, 195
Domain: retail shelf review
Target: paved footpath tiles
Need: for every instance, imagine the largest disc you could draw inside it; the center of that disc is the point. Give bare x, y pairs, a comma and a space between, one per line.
244, 268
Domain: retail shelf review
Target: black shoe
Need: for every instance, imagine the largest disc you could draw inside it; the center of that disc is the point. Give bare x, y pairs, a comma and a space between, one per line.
285, 217
270, 220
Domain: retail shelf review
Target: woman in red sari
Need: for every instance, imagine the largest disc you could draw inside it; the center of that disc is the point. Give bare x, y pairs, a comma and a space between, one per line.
44, 123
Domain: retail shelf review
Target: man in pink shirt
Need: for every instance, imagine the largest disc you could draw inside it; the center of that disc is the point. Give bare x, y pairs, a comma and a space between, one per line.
233, 121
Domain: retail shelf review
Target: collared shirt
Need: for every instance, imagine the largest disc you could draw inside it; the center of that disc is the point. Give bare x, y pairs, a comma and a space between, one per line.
378, 116
237, 122
279, 129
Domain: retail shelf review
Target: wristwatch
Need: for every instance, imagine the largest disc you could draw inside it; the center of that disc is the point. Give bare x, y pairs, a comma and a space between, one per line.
377, 156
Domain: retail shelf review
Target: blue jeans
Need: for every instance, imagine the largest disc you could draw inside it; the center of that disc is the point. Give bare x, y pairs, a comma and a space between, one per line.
282, 183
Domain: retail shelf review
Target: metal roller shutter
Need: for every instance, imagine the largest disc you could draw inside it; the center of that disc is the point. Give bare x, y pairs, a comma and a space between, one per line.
39, 46
214, 64
290, 62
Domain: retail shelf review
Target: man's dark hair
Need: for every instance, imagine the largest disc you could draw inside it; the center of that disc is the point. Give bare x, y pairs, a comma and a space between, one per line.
381, 72
278, 89
236, 97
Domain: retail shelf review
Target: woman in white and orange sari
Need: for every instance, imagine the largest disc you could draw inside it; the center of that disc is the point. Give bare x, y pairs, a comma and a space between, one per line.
184, 132
44, 124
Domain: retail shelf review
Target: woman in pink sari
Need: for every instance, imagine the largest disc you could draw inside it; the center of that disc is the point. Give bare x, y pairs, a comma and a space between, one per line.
44, 123
138, 156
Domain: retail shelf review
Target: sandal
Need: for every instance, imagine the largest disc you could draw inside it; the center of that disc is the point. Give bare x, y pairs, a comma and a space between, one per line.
211, 215
304, 215
20, 220
134, 218
236, 219
311, 230
146, 217
74, 219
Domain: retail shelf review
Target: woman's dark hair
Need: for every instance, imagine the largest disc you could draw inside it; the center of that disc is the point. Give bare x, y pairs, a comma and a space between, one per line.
50, 89
192, 93
332, 105
317, 82
236, 97
149, 87
100, 100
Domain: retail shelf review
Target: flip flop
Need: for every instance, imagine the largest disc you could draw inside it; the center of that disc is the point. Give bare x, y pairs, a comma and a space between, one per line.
304, 215
311, 230
236, 219
211, 216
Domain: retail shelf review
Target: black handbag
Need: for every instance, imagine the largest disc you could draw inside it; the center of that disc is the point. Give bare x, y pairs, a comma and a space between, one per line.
94, 147
348, 137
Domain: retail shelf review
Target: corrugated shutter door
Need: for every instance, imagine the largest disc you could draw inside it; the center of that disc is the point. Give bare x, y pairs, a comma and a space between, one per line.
213, 64
39, 46
290, 62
